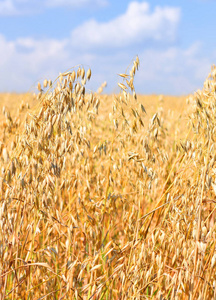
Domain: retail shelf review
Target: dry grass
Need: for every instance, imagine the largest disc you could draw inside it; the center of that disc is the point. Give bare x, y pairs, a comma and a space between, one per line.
107, 197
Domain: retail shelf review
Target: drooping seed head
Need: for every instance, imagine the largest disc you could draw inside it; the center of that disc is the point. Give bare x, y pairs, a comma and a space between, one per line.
45, 83
78, 72
73, 76
88, 75
39, 87
83, 73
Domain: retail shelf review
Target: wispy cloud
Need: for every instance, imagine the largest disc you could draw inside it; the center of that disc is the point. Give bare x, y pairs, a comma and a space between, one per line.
26, 7
136, 25
8, 8
75, 3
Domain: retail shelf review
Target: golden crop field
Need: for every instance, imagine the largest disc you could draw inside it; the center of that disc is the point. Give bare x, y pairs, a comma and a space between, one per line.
107, 196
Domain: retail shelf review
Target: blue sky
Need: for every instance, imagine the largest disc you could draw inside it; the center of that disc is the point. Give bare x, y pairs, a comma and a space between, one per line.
175, 41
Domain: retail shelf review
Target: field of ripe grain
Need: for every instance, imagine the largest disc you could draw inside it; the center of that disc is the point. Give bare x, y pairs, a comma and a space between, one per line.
107, 196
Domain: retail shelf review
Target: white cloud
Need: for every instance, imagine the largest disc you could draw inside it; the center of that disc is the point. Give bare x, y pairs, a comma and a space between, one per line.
136, 25
170, 71
26, 60
173, 70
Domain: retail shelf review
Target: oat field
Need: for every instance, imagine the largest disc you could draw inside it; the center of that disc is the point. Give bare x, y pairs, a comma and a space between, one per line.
107, 196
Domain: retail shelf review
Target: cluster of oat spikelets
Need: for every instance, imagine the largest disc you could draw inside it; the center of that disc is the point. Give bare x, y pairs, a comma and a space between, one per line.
111, 205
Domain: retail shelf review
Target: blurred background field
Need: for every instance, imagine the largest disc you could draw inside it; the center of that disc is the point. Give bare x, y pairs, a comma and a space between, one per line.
176, 106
